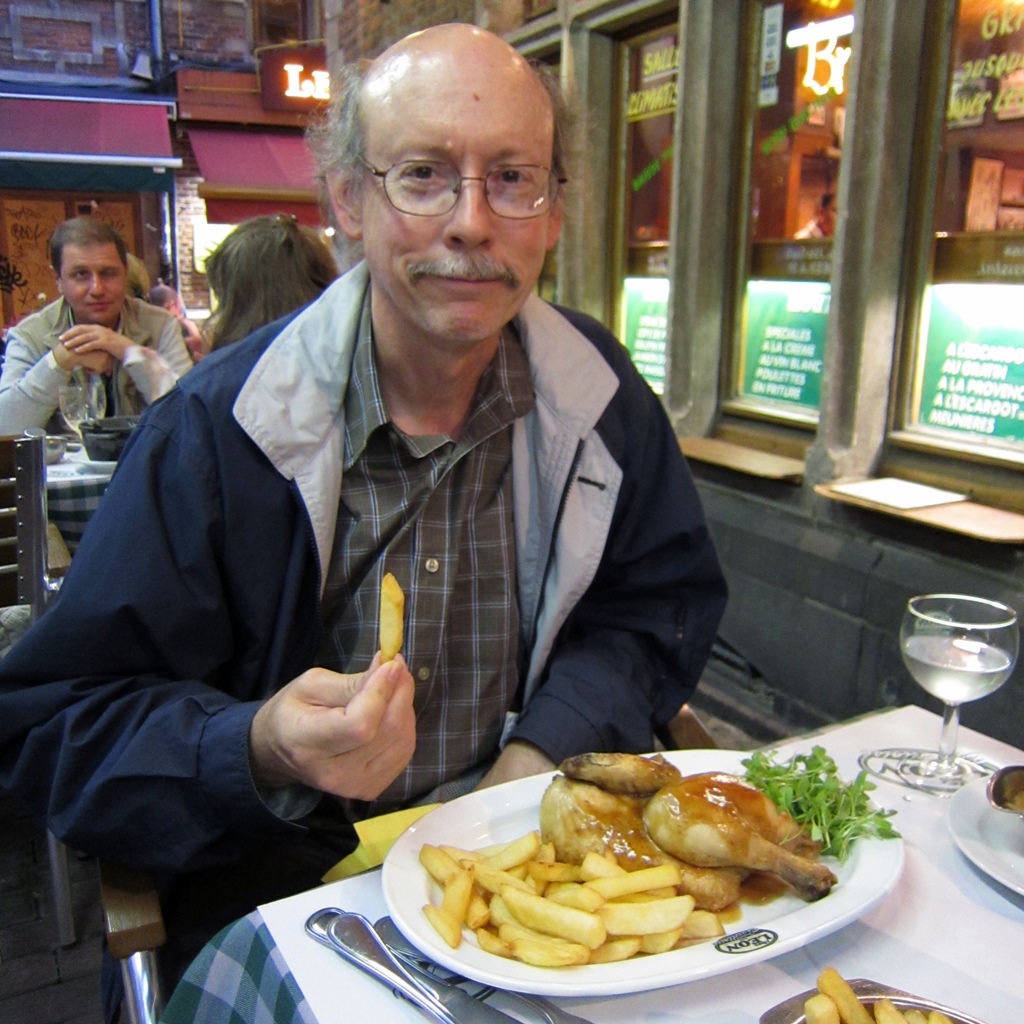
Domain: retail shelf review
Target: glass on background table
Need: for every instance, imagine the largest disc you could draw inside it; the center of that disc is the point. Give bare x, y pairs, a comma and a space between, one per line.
949, 929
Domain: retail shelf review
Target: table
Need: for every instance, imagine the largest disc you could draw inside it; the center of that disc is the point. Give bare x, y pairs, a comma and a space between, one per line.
947, 931
74, 487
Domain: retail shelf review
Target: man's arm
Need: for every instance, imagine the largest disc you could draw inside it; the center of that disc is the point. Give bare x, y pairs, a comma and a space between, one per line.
28, 385
127, 712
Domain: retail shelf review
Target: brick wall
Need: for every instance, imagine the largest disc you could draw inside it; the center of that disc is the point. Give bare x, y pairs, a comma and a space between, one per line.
188, 205
365, 28
86, 39
101, 38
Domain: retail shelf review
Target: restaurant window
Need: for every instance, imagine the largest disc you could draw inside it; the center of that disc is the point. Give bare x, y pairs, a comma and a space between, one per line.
963, 371
650, 66
285, 21
803, 56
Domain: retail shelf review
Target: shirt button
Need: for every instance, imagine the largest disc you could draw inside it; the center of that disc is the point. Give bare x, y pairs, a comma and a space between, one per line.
423, 674
431, 565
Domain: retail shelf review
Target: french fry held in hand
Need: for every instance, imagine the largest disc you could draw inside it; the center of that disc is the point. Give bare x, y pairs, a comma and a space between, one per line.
392, 610
837, 1003
521, 903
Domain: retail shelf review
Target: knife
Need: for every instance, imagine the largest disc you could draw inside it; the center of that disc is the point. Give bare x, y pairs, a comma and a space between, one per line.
355, 939
413, 958
361, 948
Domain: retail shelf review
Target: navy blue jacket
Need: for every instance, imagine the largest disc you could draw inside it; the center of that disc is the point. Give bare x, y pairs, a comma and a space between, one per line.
125, 712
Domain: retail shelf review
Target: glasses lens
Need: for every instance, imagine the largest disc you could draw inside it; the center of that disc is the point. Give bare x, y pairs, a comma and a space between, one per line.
422, 187
519, 191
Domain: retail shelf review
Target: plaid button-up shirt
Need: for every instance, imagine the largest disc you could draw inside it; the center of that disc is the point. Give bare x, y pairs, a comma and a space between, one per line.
437, 513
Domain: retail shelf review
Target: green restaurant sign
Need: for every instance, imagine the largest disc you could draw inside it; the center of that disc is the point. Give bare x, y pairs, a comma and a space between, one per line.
971, 371
645, 326
784, 341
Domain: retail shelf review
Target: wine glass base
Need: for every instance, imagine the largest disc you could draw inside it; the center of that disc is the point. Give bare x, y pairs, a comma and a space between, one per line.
919, 769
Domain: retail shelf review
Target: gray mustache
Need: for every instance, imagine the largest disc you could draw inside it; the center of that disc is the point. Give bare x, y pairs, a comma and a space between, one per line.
468, 268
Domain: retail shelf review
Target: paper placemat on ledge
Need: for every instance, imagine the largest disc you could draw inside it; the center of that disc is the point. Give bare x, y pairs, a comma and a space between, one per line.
896, 493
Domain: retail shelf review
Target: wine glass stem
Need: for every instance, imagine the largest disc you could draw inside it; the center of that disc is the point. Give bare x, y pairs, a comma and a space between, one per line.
947, 741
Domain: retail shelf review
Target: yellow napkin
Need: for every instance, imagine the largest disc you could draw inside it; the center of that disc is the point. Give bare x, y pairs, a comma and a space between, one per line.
376, 837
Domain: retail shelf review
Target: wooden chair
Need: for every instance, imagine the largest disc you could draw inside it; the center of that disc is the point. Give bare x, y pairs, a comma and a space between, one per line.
134, 927
25, 580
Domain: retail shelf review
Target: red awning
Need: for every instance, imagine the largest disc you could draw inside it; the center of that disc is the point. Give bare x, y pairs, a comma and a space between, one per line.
248, 173
120, 133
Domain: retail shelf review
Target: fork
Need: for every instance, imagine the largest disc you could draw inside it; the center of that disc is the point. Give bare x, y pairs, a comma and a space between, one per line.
404, 950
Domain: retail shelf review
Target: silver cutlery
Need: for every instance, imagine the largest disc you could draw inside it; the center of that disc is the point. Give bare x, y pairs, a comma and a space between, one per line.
414, 958
354, 938
363, 950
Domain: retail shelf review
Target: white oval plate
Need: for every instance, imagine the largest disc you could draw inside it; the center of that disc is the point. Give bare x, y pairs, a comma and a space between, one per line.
992, 840
501, 814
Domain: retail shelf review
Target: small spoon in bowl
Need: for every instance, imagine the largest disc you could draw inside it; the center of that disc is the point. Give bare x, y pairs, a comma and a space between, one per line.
1006, 789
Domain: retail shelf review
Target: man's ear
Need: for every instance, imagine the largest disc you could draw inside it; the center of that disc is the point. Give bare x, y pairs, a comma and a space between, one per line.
347, 201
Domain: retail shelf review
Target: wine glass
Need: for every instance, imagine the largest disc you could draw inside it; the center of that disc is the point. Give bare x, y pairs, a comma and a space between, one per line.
958, 648
82, 399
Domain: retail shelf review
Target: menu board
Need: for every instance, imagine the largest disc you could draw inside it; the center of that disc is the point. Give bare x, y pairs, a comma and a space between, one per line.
645, 326
971, 370
784, 339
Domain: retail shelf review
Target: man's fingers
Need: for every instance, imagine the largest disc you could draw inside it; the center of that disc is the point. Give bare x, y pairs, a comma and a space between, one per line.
382, 684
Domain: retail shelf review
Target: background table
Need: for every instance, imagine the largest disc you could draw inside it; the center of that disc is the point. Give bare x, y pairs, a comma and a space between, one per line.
947, 931
74, 487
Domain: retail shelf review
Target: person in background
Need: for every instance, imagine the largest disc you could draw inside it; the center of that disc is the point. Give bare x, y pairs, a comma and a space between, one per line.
138, 278
267, 267
823, 223
214, 708
94, 327
166, 297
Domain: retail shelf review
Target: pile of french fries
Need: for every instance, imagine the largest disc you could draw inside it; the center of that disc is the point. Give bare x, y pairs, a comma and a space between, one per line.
837, 1003
522, 903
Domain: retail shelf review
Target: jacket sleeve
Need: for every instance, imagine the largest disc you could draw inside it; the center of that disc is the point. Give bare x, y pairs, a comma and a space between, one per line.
125, 711
632, 650
28, 386
155, 371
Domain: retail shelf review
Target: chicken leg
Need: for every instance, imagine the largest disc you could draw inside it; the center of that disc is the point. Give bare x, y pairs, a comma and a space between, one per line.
716, 820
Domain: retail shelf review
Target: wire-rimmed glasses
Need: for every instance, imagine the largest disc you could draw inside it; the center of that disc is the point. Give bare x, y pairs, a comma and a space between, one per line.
431, 188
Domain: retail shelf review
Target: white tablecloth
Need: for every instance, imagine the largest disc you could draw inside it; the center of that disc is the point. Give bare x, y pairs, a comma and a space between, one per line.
947, 931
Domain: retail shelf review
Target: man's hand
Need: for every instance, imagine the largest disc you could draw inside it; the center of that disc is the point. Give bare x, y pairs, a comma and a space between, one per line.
86, 344
517, 760
350, 735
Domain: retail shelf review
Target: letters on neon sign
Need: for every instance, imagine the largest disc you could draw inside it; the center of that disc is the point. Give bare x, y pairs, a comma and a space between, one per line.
835, 57
315, 87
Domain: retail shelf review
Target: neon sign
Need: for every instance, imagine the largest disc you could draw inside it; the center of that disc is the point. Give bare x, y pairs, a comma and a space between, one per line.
830, 54
316, 86
294, 78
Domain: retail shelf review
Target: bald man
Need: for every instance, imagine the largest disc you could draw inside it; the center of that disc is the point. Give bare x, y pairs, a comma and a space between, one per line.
428, 416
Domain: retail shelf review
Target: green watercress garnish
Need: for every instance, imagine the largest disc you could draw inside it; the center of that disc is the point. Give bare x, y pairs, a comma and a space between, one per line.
808, 788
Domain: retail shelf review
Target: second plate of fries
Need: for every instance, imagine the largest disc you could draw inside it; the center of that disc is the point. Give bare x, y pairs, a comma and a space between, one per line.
487, 819
860, 1002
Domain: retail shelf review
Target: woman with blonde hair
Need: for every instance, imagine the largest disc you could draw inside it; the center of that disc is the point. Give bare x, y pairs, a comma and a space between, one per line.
266, 268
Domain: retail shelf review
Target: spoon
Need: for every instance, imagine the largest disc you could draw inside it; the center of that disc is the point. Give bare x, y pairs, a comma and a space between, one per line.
1006, 789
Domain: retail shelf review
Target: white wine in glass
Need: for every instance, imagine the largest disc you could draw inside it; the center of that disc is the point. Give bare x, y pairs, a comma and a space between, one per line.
81, 399
958, 648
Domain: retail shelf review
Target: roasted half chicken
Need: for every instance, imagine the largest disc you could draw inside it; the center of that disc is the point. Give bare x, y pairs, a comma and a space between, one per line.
716, 827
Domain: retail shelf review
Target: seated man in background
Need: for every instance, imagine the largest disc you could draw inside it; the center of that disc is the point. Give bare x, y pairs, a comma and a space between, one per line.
94, 327
213, 707
166, 297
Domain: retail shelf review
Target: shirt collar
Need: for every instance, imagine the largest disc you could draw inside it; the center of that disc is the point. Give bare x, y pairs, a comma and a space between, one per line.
504, 394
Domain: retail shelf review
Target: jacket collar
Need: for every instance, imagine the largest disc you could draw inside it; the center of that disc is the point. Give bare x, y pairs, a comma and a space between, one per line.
291, 404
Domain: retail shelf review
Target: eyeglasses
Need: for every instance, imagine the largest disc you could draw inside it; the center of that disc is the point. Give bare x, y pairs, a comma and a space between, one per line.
431, 188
